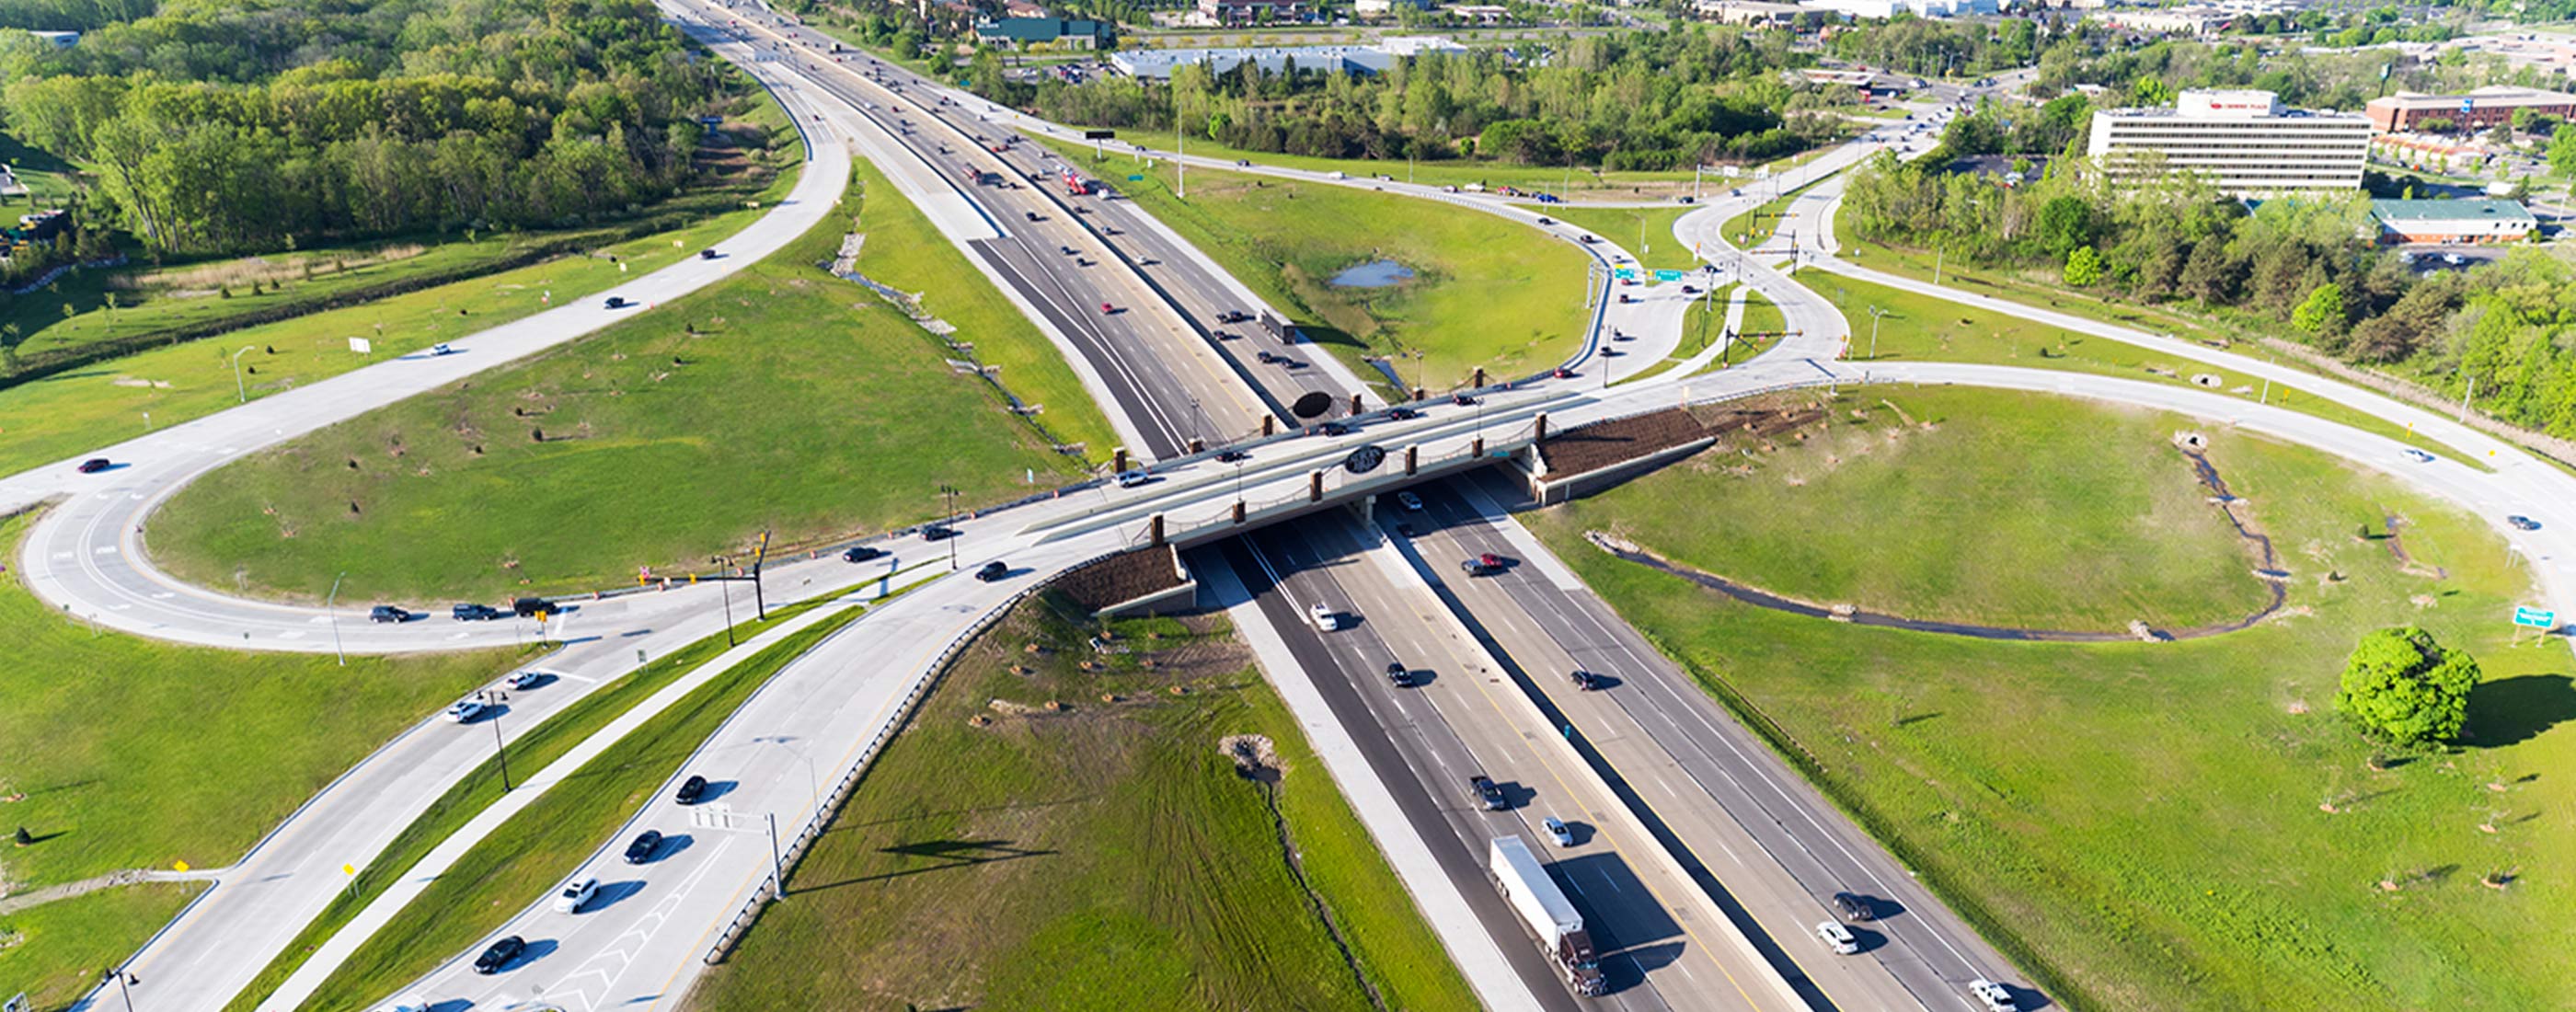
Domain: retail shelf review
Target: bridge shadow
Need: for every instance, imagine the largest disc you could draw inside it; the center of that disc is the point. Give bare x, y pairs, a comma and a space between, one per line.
949, 855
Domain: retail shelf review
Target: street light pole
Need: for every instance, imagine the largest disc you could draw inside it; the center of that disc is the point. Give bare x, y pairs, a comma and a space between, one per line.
335, 617
1875, 315
122, 979
951, 492
501, 751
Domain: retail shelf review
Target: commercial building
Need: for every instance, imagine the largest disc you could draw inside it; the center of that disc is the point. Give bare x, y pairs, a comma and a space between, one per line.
2452, 222
2244, 142
1060, 33
1246, 12
1746, 12
2193, 20
1881, 10
1158, 64
2443, 155
2476, 110
1385, 8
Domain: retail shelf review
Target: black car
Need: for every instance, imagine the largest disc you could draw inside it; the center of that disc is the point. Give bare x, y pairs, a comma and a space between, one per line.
1266, 356
474, 613
937, 532
387, 613
1403, 414
95, 464
501, 954
2522, 523
992, 571
616, 302
1585, 680
1336, 429
647, 844
526, 606
1399, 675
1854, 907
862, 553
1463, 400
691, 790
1231, 456
1487, 792
706, 254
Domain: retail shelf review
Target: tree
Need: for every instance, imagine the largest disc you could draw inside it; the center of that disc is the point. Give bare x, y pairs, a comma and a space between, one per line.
2402, 687
2323, 312
2562, 149
2083, 268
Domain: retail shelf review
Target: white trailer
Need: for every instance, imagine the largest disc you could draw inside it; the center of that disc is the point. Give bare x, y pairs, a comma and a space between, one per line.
1545, 911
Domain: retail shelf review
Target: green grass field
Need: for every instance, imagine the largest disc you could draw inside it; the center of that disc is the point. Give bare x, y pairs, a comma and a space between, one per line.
137, 754
1104, 856
2169, 826
532, 751
1923, 328
782, 398
540, 846
1483, 293
1647, 232
54, 951
1582, 183
1760, 316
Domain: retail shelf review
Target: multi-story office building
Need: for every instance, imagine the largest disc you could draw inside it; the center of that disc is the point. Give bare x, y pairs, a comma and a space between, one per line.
2244, 142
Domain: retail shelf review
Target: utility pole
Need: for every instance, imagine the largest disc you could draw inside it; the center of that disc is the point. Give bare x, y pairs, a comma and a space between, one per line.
1875, 314
727, 590
2465, 398
777, 866
1180, 157
951, 492
501, 751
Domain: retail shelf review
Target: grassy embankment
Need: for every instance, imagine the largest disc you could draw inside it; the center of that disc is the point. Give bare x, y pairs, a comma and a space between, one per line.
1647, 232
781, 398
56, 416
1485, 291
1108, 855
2144, 825
139, 754
541, 845
1923, 328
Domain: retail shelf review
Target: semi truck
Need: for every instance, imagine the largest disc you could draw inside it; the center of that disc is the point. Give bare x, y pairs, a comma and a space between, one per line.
1543, 908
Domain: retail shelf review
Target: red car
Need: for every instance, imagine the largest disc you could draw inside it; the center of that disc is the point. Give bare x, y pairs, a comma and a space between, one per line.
1105, 310
1483, 564
1562, 374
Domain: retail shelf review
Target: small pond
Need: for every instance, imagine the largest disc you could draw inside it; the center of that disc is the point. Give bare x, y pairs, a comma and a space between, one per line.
1374, 274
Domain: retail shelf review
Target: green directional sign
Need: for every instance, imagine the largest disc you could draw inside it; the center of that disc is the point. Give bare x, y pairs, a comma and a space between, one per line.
1664, 275
2535, 618
1624, 273
1135, 179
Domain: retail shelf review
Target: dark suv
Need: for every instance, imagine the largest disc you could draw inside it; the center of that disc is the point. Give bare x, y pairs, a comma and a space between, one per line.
1398, 674
992, 571
647, 844
501, 954
474, 613
691, 791
387, 613
1488, 793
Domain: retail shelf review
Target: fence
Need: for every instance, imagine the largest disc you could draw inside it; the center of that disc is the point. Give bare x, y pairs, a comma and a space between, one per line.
794, 848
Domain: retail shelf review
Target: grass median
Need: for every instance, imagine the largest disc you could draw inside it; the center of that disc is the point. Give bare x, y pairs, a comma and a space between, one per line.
131, 395
53, 952
781, 399
1922, 328
133, 753
1485, 291
1063, 829
542, 844
1647, 232
532, 751
2181, 825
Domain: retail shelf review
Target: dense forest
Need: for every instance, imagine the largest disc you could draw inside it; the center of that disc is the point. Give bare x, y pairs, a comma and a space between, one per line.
222, 126
1641, 100
71, 15
2297, 267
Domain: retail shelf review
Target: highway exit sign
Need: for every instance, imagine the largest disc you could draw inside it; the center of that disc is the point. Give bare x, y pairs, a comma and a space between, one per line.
1664, 275
1624, 273
2535, 618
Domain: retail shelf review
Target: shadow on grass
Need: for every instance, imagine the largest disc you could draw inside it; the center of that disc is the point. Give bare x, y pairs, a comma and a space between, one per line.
952, 854
2510, 711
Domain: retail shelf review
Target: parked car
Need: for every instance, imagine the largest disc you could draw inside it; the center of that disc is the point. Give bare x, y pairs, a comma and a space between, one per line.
1557, 831
464, 711
2522, 523
993, 570
474, 613
862, 553
691, 791
1837, 938
1324, 617
1398, 675
1412, 503
1488, 793
388, 613
1854, 907
96, 464
645, 845
500, 954
575, 895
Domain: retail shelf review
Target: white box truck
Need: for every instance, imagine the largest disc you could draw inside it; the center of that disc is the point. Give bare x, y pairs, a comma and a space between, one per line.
1543, 908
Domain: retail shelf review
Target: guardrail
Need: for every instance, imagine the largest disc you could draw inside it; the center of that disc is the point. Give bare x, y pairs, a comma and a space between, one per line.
793, 849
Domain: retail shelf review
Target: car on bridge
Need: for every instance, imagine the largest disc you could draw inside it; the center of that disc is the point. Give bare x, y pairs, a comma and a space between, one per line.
1855, 907
1412, 503
1558, 831
1323, 616
1463, 399
1586, 681
1233, 457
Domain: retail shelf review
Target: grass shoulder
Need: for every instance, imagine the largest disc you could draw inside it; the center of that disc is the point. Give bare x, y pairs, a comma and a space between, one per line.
1087, 814
781, 399
1485, 291
1647, 232
139, 754
2176, 825
53, 951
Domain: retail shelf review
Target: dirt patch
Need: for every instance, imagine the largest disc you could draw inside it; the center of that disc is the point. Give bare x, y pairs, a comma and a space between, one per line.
1619, 440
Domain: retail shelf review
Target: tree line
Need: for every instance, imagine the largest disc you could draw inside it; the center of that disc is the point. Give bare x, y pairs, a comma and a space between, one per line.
213, 127
1637, 100
2307, 268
